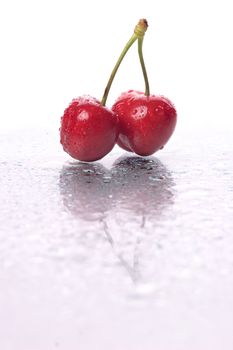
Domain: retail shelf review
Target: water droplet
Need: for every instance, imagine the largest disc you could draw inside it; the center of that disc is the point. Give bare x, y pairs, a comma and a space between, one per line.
107, 179
83, 115
140, 112
88, 171
154, 178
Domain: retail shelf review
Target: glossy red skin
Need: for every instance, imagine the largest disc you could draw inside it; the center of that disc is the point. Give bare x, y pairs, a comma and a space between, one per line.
88, 130
146, 122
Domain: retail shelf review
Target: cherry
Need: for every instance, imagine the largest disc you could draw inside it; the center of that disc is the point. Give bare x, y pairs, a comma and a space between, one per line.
88, 130
146, 122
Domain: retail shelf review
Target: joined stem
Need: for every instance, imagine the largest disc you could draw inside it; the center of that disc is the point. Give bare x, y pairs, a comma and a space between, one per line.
139, 32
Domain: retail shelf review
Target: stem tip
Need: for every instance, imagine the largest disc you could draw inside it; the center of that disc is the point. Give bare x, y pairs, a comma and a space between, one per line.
141, 28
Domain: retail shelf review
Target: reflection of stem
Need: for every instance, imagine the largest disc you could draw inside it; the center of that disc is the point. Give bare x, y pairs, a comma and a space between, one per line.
132, 271
143, 221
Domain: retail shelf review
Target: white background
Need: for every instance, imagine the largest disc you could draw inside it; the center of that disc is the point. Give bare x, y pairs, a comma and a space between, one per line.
70, 249
53, 51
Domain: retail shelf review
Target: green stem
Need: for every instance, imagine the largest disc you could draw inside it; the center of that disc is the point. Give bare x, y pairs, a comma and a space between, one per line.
147, 87
112, 76
139, 32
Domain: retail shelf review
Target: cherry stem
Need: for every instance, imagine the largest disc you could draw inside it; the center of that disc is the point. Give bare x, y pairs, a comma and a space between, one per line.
139, 32
147, 86
115, 69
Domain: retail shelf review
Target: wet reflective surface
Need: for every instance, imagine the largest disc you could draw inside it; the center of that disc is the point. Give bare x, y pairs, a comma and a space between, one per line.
125, 253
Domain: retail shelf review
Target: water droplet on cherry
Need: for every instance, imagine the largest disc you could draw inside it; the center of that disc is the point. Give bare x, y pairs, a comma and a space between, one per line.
139, 112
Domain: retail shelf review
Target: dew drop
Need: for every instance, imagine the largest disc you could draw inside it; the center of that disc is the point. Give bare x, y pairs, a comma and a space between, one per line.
140, 112
83, 116
88, 171
107, 179
154, 178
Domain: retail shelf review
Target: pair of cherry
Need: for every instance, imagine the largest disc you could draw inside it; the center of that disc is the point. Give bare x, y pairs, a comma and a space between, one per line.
138, 122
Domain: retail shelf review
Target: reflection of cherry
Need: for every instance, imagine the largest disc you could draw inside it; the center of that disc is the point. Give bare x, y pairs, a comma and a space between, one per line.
135, 191
142, 191
141, 185
85, 190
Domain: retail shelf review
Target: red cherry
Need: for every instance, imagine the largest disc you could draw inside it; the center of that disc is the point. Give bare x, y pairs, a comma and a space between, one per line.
146, 122
88, 129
